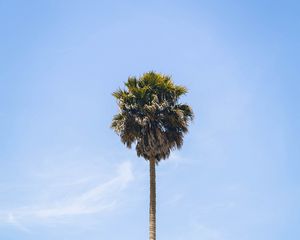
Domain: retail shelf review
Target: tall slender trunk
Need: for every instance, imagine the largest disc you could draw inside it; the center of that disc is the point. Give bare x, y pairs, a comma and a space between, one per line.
152, 210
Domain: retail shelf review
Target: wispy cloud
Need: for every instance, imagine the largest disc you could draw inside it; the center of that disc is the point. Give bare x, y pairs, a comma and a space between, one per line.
12, 220
206, 232
94, 200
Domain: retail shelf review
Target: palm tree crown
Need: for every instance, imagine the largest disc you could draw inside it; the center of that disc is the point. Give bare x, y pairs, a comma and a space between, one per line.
150, 115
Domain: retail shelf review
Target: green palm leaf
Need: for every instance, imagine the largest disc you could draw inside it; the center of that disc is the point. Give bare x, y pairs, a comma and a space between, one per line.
150, 116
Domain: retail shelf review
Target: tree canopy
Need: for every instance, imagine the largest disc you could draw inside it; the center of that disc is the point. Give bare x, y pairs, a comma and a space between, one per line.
150, 115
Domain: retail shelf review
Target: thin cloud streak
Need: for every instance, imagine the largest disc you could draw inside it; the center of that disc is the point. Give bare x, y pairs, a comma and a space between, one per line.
103, 197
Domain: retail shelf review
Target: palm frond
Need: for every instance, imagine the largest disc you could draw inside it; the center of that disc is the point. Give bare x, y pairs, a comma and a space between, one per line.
150, 115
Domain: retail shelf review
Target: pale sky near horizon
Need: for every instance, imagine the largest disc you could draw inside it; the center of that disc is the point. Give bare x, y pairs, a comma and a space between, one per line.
65, 175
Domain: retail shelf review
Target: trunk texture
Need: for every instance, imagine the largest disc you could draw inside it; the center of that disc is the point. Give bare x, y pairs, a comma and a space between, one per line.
152, 210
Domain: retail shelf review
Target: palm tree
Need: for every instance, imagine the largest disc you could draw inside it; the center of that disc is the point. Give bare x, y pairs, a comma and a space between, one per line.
151, 118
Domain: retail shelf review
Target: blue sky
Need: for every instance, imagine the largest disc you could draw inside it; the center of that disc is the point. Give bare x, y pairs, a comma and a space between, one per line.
64, 174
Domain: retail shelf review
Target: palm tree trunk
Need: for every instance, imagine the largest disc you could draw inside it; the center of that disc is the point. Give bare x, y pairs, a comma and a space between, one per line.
152, 210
